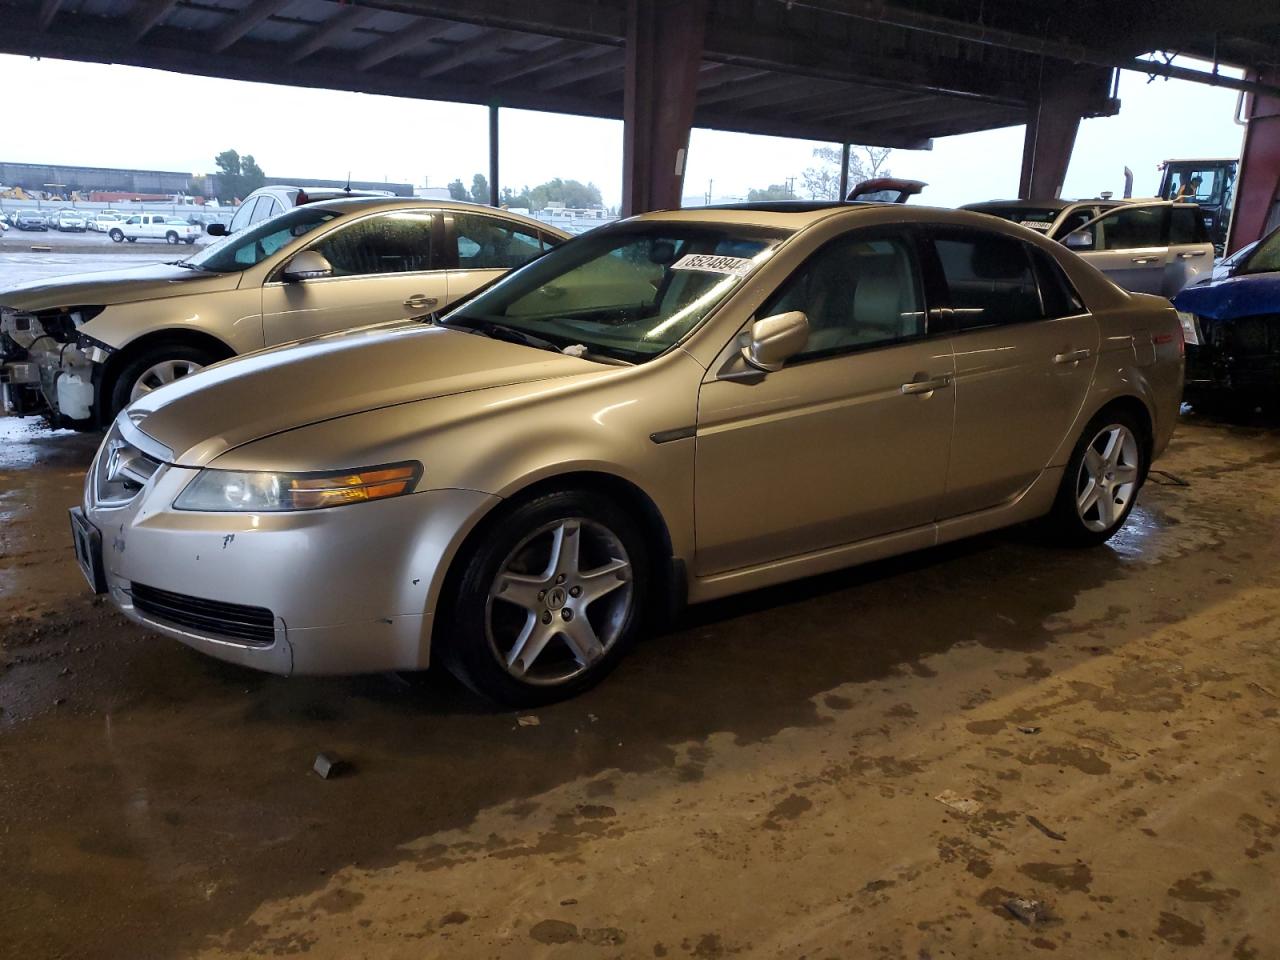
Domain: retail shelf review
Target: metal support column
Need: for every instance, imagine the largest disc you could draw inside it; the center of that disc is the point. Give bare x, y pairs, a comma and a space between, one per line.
844, 171
1257, 207
493, 155
664, 53
1051, 128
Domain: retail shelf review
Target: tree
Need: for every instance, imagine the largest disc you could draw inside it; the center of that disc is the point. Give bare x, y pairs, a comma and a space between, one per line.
480, 188
823, 181
457, 191
237, 176
571, 193
775, 191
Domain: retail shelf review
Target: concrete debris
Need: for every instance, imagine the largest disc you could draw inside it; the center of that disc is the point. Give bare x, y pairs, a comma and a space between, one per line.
528, 721
328, 766
966, 805
1028, 730
1027, 911
1051, 834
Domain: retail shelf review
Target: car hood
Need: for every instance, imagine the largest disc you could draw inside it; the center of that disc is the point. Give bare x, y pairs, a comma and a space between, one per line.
1232, 297
272, 391
153, 281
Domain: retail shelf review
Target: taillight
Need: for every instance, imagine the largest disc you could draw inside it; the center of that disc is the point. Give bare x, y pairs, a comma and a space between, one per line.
301, 198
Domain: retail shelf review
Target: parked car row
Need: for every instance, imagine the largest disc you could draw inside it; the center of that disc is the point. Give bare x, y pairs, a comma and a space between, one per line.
110, 222
517, 473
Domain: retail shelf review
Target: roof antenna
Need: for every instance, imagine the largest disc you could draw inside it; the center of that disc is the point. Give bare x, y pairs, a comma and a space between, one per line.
347, 188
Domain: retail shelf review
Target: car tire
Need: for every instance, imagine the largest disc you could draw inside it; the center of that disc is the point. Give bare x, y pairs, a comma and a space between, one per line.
171, 237
132, 239
189, 241
156, 365
574, 568
116, 235
1101, 482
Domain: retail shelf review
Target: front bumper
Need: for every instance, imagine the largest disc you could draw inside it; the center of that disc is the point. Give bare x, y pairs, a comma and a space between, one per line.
349, 589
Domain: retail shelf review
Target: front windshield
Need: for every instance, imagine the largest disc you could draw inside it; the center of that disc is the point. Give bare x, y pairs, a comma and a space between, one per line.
1037, 218
625, 293
246, 248
1265, 257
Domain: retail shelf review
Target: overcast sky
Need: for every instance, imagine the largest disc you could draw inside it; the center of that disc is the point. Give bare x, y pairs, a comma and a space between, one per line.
115, 116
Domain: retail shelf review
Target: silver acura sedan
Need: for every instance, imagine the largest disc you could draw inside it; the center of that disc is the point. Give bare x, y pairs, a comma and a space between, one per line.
679, 407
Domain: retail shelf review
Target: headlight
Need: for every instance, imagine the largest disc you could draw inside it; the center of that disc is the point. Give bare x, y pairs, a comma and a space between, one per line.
235, 491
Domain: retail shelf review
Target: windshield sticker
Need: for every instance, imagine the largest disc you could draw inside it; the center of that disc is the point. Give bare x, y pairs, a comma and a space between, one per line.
729, 266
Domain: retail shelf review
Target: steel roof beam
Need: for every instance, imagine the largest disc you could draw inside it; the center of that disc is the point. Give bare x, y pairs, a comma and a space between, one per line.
464, 51
244, 21
347, 18
595, 65
48, 10
398, 44
147, 16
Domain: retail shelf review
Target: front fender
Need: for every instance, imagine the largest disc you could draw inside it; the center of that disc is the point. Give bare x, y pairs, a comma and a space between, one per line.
233, 317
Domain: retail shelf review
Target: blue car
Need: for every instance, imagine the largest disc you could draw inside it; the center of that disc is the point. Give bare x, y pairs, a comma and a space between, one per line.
1232, 329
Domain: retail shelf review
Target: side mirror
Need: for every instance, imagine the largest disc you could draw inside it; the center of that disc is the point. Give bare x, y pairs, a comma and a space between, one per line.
1078, 240
306, 265
776, 339
216, 230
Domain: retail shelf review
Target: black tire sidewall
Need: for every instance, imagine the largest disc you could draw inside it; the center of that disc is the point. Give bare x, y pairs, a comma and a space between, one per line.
1065, 524
127, 376
116, 236
462, 641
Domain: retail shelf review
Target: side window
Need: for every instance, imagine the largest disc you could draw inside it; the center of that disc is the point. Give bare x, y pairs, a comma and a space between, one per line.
244, 215
989, 279
157, 220
1186, 225
134, 220
1073, 222
1057, 293
486, 243
1133, 227
266, 207
858, 291
398, 242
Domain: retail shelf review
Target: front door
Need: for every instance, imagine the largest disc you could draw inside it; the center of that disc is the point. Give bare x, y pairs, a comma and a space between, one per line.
1025, 352
385, 268
850, 439
1130, 245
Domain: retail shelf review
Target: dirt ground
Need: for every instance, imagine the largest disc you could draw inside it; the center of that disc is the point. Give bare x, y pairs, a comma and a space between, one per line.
891, 761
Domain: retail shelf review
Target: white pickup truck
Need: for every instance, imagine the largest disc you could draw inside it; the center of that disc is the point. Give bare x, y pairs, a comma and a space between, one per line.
152, 226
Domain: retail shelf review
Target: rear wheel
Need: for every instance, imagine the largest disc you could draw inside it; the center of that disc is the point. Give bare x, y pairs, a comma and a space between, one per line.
117, 235
189, 240
1101, 482
154, 368
132, 239
171, 237
547, 601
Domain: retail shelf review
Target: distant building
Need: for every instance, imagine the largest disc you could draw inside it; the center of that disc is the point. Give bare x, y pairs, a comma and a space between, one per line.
41, 178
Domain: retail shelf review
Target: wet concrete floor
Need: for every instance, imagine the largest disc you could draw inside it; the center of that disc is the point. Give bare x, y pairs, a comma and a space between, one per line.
1101, 726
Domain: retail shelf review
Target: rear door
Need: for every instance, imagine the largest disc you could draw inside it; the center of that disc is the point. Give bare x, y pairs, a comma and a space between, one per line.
483, 248
1025, 352
385, 267
1130, 245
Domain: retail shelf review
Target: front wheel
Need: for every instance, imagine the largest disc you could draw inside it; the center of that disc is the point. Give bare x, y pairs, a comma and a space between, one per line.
547, 601
116, 235
154, 368
1101, 482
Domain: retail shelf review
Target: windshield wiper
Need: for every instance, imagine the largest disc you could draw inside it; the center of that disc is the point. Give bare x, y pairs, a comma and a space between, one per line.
501, 331
187, 265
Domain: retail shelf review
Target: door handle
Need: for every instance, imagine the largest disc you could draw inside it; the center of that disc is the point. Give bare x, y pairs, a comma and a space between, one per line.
420, 301
1144, 259
1071, 356
917, 387
1188, 254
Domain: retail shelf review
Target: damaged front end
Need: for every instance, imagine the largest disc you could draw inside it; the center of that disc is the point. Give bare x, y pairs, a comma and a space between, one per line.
47, 366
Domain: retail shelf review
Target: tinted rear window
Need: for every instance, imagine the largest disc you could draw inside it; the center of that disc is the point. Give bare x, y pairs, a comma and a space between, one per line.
989, 279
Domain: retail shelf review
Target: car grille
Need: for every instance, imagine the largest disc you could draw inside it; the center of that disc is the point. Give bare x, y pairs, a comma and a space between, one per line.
252, 626
121, 470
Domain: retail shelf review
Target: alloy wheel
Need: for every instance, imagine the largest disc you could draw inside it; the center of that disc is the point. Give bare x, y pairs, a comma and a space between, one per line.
1108, 477
157, 375
560, 600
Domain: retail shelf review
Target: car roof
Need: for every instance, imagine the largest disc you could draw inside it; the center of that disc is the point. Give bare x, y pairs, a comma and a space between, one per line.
351, 205
794, 216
